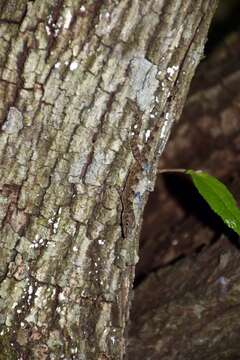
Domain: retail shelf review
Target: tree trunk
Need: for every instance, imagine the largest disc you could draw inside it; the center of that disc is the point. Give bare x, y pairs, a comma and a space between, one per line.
90, 92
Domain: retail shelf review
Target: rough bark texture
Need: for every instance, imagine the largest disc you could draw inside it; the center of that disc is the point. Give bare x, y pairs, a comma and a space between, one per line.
191, 307
89, 93
190, 310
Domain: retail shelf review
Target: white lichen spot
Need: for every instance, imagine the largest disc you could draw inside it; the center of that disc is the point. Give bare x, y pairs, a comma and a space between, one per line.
167, 116
101, 242
53, 28
53, 293
171, 71
38, 292
75, 249
57, 65
62, 313
14, 122
152, 116
75, 50
68, 19
164, 130
56, 225
61, 297
147, 135
30, 290
82, 9
73, 65
74, 350
105, 331
113, 339
48, 30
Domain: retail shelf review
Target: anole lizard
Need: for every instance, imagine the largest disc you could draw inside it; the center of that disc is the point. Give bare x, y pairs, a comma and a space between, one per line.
128, 222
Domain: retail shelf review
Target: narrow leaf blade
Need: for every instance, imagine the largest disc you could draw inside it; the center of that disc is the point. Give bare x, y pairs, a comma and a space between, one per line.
218, 197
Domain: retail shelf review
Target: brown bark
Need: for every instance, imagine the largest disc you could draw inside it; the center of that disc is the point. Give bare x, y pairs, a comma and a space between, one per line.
77, 79
191, 307
190, 310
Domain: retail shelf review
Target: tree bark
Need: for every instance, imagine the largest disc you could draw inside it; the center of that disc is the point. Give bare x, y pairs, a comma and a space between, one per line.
190, 310
89, 94
191, 268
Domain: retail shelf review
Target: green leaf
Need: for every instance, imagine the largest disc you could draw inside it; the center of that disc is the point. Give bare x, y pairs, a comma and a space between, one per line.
218, 197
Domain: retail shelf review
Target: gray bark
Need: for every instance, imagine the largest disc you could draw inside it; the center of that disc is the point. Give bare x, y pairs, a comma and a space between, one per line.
79, 82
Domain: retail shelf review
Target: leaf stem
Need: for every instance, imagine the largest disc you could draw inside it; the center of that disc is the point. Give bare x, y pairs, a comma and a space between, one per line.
163, 171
